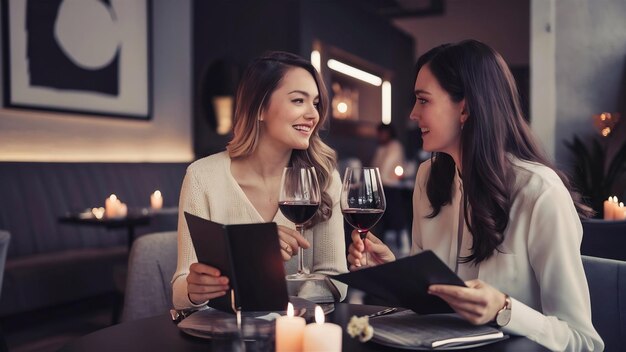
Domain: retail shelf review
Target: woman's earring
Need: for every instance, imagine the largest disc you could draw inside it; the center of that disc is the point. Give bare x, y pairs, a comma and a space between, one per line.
462, 126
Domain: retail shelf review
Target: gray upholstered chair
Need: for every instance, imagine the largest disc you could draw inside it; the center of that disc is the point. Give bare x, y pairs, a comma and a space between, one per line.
5, 238
607, 287
151, 266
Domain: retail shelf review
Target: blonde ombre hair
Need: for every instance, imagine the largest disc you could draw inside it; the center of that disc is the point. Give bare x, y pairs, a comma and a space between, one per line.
259, 81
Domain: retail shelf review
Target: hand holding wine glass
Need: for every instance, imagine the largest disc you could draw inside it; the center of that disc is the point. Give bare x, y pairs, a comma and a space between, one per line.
299, 200
362, 199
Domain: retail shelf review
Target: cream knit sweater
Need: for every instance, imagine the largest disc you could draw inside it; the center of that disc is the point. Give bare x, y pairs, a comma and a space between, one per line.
210, 191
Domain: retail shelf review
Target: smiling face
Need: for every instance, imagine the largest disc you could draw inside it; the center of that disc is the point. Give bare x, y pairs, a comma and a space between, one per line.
438, 116
291, 114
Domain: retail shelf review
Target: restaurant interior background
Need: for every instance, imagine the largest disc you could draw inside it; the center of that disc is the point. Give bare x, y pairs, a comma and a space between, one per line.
569, 58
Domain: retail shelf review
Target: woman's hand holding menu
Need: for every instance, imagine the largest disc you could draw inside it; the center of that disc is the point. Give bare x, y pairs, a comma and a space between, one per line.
205, 282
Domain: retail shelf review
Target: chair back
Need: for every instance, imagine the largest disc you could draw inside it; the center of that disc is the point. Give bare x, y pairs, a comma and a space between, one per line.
607, 288
151, 266
604, 239
5, 238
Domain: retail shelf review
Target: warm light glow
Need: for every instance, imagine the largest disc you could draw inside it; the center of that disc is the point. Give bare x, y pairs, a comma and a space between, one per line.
316, 60
319, 315
342, 107
156, 200
223, 106
354, 72
98, 212
289, 309
386, 113
605, 122
399, 171
113, 197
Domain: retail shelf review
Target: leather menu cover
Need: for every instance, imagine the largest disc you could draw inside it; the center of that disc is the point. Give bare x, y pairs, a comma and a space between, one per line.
404, 282
249, 255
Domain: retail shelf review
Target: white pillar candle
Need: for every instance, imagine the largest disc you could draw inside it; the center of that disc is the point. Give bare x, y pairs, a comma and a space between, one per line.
156, 200
320, 336
619, 213
122, 210
289, 330
609, 209
110, 206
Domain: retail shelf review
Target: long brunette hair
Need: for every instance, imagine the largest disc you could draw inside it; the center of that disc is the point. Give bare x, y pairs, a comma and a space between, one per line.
495, 127
260, 79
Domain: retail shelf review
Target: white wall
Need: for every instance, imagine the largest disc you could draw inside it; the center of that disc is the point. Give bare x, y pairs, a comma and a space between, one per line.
39, 136
543, 73
501, 24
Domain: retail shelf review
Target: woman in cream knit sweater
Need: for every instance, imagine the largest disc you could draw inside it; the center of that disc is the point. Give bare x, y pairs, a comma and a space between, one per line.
281, 104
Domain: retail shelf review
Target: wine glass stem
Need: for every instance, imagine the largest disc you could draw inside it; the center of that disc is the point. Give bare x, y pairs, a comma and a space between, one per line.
365, 259
301, 271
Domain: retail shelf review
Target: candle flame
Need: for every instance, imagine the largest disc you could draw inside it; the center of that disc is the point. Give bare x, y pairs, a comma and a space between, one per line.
289, 309
157, 193
399, 171
113, 197
319, 315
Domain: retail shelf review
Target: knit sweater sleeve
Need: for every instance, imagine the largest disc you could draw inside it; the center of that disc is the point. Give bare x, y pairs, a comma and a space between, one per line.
192, 200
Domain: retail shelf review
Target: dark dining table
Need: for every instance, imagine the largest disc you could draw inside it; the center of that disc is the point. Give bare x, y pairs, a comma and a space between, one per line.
159, 333
136, 217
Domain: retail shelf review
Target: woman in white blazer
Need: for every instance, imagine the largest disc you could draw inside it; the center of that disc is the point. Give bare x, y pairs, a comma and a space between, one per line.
492, 207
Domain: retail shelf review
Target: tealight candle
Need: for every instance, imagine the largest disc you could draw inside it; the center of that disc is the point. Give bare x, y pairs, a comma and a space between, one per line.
289, 330
320, 336
156, 200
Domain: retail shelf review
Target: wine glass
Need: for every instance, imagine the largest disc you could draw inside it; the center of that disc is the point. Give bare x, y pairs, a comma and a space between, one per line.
362, 199
299, 200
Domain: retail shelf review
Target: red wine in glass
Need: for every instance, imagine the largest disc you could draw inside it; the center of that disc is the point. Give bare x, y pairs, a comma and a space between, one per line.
298, 212
362, 219
362, 199
299, 200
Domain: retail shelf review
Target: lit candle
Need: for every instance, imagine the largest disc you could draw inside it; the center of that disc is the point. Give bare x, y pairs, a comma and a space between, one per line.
320, 336
122, 209
156, 200
619, 213
608, 209
111, 206
289, 330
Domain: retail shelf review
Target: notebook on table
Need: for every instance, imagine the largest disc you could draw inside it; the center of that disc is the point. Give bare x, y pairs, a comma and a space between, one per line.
249, 255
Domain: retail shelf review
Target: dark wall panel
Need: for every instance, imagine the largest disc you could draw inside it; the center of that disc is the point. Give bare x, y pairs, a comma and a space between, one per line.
239, 30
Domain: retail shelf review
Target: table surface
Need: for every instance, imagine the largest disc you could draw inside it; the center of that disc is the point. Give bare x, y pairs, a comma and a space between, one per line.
160, 334
136, 217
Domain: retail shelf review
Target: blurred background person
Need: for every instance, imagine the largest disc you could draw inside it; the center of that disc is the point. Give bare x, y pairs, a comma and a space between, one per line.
389, 159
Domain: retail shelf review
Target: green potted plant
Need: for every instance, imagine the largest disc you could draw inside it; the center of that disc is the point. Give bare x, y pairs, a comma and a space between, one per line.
594, 176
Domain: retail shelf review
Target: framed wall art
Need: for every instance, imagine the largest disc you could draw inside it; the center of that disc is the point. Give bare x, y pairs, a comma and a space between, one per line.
75, 56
